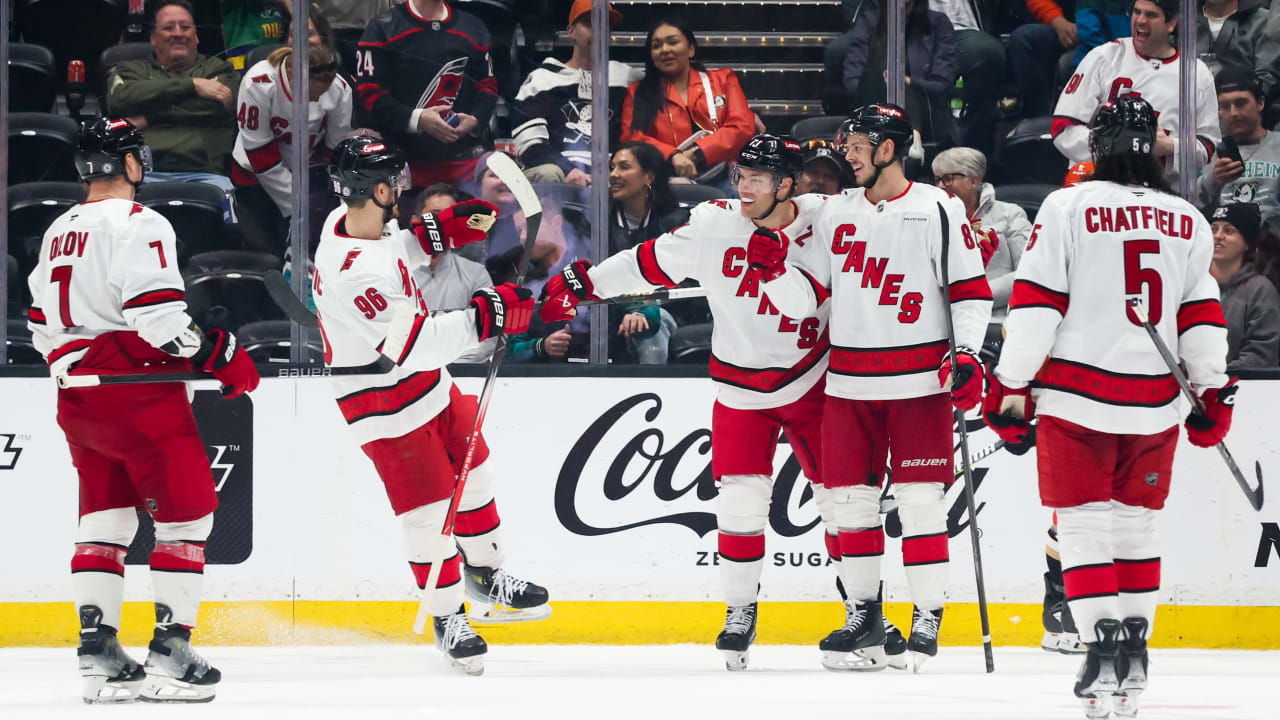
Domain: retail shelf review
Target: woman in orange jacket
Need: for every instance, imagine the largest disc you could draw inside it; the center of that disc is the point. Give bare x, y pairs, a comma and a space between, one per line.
670, 104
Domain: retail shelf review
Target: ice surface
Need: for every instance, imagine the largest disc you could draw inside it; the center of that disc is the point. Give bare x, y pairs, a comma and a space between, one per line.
649, 682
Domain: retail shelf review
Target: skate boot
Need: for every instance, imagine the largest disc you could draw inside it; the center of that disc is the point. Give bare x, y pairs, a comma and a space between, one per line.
895, 646
109, 674
923, 643
1096, 681
1131, 668
175, 671
464, 649
859, 645
499, 597
1060, 635
737, 636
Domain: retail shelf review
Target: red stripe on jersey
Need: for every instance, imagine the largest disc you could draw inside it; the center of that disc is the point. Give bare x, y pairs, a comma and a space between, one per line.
375, 402
184, 557
36, 316
741, 548
99, 557
888, 361
975, 288
369, 98
1208, 145
384, 43
1086, 581
70, 347
481, 48
862, 543
470, 523
1061, 123
154, 297
265, 157
1135, 576
833, 545
1027, 294
769, 379
647, 257
1200, 312
1126, 389
820, 292
414, 333
240, 177
450, 572
488, 85
924, 549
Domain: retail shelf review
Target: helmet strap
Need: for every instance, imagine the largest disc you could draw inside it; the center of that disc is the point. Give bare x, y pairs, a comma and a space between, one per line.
774, 197
388, 210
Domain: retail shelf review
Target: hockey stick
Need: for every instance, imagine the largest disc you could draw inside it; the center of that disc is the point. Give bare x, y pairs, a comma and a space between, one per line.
510, 174
1253, 496
381, 366
280, 292
964, 450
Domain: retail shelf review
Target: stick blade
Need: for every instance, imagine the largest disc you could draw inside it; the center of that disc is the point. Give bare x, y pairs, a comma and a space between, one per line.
506, 169
282, 295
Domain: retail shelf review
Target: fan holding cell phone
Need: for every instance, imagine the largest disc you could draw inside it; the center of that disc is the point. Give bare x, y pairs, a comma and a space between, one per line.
1246, 164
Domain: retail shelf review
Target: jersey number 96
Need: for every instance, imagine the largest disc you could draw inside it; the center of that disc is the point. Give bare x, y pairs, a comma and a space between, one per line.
370, 303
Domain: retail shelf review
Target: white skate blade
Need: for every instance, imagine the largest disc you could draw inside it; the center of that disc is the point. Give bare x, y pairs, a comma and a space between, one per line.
918, 659
472, 666
869, 659
897, 662
1096, 707
160, 689
735, 660
98, 690
1126, 705
483, 614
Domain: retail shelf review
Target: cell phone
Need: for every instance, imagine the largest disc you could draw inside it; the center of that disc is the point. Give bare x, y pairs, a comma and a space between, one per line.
1229, 149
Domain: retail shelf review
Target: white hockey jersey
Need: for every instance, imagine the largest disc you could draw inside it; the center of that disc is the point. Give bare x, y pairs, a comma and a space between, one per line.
882, 264
1116, 69
1093, 247
359, 285
760, 357
105, 266
264, 141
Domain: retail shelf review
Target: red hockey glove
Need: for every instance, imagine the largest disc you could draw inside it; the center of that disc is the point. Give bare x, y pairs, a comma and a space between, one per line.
1015, 430
505, 309
765, 252
467, 222
966, 385
228, 362
988, 243
566, 290
1209, 429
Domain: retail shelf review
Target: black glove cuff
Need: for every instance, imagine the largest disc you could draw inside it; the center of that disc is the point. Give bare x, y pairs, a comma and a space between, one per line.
1197, 421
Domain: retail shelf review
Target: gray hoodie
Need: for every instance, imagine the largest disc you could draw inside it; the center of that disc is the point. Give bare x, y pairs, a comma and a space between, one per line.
1252, 308
1012, 227
1240, 42
1259, 183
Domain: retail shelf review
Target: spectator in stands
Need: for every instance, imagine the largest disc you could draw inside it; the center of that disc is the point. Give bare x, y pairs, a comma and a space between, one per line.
184, 101
449, 280
960, 171
424, 75
1035, 50
1229, 33
825, 169
1246, 167
263, 148
669, 107
246, 24
1249, 301
1099, 22
501, 250
980, 61
834, 99
348, 19
552, 111
320, 32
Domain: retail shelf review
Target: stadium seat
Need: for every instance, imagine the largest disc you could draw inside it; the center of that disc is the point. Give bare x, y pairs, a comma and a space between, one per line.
268, 342
225, 290
824, 127
73, 29
32, 208
1026, 196
112, 57
1029, 156
690, 345
17, 342
690, 194
41, 147
33, 79
260, 53
194, 209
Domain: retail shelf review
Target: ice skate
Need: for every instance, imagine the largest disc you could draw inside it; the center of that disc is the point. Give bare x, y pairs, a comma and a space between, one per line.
737, 636
1060, 635
1131, 668
923, 643
499, 597
464, 649
1096, 682
175, 671
895, 646
859, 645
109, 674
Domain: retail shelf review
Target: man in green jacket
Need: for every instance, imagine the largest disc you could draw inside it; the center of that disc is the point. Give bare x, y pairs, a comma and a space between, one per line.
184, 101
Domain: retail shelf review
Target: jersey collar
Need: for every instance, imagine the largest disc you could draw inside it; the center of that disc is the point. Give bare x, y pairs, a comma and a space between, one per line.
448, 13
1164, 61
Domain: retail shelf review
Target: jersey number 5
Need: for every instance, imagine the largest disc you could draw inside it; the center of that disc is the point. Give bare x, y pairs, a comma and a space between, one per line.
1135, 276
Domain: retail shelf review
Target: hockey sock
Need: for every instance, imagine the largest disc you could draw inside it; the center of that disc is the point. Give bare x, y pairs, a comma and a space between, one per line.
477, 525
831, 534
1137, 561
97, 567
742, 512
177, 568
925, 557
422, 535
1089, 576
857, 512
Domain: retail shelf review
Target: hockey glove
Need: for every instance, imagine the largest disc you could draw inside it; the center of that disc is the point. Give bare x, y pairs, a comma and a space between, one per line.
1008, 412
505, 309
988, 243
765, 252
966, 384
566, 290
226, 360
467, 222
1209, 429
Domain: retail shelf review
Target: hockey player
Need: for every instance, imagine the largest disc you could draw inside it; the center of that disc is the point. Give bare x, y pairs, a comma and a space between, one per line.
107, 298
1145, 65
1106, 400
413, 422
769, 365
881, 251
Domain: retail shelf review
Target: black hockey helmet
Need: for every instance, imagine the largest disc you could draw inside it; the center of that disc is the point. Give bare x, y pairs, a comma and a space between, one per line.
780, 156
102, 145
879, 122
362, 162
1126, 125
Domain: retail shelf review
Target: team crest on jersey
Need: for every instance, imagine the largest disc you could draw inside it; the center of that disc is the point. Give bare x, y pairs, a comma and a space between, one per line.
1245, 192
351, 258
443, 88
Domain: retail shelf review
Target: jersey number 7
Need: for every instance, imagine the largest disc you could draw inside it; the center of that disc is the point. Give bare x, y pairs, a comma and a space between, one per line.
1135, 276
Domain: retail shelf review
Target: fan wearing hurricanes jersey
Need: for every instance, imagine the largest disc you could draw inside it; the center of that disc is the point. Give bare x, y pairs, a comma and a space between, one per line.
769, 365
108, 300
1107, 401
412, 421
882, 249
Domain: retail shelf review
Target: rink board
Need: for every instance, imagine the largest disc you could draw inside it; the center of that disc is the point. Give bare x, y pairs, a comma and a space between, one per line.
609, 502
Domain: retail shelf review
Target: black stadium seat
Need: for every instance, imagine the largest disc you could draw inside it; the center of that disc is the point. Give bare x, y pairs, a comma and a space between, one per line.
73, 29
194, 209
32, 208
690, 345
1026, 196
33, 78
690, 194
268, 342
225, 290
259, 54
41, 147
112, 57
824, 127
1029, 156
17, 341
